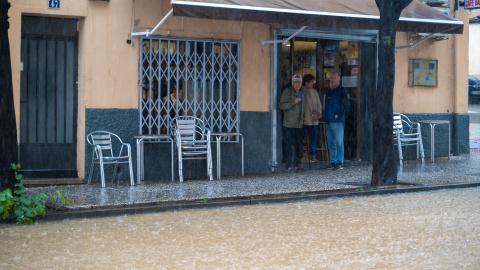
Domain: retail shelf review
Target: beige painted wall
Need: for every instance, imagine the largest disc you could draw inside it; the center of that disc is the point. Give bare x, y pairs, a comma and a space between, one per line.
451, 95
111, 65
108, 66
474, 49
255, 69
255, 58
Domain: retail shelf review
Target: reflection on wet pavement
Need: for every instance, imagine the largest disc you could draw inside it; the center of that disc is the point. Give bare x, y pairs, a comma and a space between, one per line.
427, 230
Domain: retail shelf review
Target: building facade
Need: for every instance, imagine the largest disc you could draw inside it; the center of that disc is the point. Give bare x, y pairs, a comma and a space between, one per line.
83, 66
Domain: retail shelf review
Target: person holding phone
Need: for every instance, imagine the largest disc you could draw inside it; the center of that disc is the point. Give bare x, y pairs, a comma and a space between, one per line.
292, 104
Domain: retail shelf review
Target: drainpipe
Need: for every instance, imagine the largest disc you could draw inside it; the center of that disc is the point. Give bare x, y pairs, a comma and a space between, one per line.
273, 99
460, 96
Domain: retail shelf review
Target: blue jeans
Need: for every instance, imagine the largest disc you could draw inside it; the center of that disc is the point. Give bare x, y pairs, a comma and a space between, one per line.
335, 142
312, 139
293, 136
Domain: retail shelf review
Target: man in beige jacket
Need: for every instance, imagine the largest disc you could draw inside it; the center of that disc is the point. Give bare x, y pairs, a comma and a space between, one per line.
313, 112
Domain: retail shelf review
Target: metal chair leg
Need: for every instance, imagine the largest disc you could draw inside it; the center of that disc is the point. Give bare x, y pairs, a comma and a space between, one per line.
102, 172
400, 154
209, 163
422, 153
180, 167
132, 181
172, 161
130, 167
115, 173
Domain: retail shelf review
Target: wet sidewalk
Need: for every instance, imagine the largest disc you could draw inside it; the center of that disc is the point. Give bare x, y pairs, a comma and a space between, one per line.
92, 200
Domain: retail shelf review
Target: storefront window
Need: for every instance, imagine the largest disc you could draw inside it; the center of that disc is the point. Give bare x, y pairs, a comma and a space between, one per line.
189, 77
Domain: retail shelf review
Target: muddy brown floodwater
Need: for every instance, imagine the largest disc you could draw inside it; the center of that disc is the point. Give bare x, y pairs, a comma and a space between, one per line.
430, 230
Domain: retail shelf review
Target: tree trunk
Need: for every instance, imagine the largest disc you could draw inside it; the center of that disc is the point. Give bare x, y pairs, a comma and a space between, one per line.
8, 128
385, 160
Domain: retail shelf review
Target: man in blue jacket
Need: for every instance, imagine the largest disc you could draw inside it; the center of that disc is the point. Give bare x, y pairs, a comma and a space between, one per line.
336, 105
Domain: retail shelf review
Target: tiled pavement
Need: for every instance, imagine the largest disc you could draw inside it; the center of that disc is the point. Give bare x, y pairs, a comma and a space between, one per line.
116, 199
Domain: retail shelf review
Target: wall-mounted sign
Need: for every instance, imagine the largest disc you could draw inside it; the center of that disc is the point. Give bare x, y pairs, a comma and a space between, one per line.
349, 81
471, 4
54, 3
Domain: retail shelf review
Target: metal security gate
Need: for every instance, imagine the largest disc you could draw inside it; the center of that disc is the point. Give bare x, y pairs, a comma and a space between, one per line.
189, 77
48, 97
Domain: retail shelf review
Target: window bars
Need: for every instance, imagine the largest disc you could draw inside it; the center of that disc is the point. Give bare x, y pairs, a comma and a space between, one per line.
198, 78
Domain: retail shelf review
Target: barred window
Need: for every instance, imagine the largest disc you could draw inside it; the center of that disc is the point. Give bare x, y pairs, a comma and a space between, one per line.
189, 77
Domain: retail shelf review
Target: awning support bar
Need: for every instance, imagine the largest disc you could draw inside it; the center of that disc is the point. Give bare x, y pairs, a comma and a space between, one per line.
285, 40
147, 32
411, 45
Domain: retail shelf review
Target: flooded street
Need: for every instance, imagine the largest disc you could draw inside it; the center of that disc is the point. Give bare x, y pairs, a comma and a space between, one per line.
428, 230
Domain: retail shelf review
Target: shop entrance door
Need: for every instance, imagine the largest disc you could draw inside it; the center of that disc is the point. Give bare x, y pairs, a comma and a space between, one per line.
320, 58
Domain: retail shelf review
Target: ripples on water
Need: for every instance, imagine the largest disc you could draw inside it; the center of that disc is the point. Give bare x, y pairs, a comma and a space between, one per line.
431, 230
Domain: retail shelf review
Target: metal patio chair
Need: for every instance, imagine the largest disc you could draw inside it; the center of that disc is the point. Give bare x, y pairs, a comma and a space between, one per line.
192, 139
407, 133
108, 148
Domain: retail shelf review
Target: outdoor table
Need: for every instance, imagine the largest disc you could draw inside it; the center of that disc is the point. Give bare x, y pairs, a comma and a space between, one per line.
432, 124
218, 136
153, 138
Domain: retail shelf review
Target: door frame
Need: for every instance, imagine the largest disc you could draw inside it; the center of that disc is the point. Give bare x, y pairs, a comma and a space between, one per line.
361, 36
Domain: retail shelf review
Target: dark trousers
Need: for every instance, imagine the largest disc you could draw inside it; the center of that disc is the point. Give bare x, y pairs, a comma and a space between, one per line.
293, 136
312, 140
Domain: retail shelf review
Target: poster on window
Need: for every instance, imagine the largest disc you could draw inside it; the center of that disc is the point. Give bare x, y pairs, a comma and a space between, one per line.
329, 56
352, 49
352, 61
349, 81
